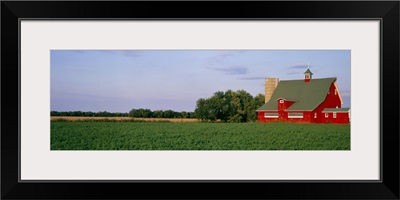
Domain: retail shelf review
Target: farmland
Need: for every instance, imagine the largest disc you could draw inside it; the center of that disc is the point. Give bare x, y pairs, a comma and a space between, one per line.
142, 135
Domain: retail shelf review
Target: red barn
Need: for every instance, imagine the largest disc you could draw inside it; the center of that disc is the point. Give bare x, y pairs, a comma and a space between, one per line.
306, 101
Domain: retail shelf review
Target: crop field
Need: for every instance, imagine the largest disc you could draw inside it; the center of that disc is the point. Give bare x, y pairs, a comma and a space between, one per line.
125, 135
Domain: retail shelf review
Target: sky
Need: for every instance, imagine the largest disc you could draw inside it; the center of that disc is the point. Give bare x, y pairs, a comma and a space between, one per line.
121, 80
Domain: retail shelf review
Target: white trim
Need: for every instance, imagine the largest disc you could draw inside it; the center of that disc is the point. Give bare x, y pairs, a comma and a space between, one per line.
315, 115
326, 115
295, 117
334, 114
302, 115
340, 96
335, 111
349, 116
271, 116
281, 101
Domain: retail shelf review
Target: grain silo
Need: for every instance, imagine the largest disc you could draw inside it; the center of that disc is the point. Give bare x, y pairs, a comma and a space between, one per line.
270, 85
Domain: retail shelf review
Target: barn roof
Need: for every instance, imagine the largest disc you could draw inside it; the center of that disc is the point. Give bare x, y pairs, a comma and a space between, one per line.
306, 95
336, 110
308, 72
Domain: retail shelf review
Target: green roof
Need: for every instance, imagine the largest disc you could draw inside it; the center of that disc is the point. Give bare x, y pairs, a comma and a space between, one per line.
306, 95
336, 110
308, 72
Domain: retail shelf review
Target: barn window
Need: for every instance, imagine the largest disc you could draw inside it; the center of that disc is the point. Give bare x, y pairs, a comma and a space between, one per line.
271, 115
315, 115
326, 115
334, 114
281, 101
295, 115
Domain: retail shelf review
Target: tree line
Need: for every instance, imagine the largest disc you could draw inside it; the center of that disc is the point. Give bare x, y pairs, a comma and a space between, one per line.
88, 114
229, 106
147, 113
140, 113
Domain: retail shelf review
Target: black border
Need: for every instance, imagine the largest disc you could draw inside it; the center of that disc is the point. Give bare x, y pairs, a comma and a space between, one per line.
386, 11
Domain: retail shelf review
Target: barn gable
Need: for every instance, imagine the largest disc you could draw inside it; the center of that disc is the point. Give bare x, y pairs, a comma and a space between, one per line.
305, 95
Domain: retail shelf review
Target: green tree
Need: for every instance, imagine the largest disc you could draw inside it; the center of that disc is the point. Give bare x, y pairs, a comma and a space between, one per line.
259, 100
141, 112
229, 106
200, 111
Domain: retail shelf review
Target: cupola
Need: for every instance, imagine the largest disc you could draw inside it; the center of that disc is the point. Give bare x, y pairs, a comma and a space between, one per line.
307, 75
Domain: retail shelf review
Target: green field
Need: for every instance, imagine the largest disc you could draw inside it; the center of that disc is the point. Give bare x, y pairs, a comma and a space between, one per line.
197, 136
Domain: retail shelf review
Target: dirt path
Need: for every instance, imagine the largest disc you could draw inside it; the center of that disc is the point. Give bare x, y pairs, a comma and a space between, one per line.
68, 118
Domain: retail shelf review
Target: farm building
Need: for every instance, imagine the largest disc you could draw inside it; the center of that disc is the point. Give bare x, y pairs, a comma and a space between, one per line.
306, 101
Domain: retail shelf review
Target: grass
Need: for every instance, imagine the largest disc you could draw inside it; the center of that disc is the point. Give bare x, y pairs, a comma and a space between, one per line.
117, 135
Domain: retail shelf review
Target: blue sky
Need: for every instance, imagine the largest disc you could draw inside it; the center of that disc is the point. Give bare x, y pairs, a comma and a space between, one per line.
118, 81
